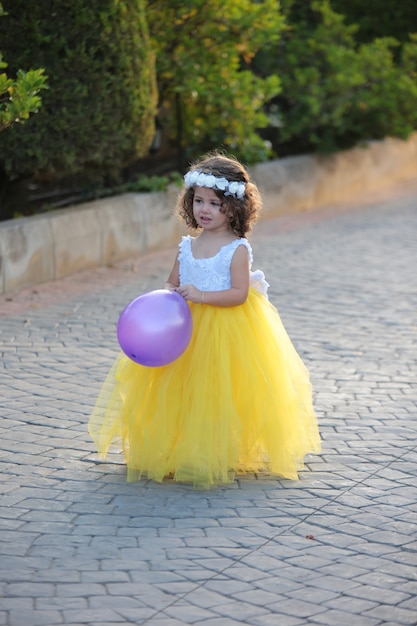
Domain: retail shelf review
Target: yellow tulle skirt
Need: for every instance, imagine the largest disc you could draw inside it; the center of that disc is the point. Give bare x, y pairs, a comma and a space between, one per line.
237, 400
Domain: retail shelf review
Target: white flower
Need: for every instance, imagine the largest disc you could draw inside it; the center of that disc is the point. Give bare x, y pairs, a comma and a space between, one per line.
240, 190
201, 180
193, 177
188, 179
233, 188
257, 280
210, 181
222, 183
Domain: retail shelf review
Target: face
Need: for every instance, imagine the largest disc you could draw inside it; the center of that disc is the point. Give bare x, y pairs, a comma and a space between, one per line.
206, 210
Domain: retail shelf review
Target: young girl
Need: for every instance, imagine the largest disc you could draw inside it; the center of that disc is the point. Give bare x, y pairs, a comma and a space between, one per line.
239, 398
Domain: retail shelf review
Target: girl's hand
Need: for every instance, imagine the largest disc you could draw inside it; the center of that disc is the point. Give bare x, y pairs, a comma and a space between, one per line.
189, 292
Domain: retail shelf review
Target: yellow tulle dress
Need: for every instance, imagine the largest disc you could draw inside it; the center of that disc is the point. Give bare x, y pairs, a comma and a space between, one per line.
238, 399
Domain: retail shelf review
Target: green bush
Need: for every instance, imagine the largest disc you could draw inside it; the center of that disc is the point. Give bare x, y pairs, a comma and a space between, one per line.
19, 97
379, 19
335, 92
98, 113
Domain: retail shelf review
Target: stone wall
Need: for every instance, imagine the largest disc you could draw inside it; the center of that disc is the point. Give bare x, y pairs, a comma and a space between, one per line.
56, 244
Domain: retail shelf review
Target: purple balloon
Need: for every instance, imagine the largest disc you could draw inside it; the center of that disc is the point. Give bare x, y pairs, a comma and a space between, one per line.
155, 328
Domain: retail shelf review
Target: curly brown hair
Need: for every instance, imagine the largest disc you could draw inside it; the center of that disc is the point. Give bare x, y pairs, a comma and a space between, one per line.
242, 213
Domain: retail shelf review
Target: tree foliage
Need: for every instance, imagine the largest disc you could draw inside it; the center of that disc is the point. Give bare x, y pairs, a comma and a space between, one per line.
379, 19
208, 94
19, 97
336, 92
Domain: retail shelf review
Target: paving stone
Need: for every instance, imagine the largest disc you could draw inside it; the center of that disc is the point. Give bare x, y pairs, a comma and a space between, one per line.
220, 621
190, 614
340, 618
297, 608
395, 614
241, 611
17, 617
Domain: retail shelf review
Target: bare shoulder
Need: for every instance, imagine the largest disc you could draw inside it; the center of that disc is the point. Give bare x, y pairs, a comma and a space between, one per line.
241, 255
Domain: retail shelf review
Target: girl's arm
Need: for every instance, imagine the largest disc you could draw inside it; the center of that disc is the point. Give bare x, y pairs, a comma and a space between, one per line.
238, 292
174, 277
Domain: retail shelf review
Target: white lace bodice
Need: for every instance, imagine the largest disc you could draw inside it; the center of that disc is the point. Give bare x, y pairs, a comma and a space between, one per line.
213, 273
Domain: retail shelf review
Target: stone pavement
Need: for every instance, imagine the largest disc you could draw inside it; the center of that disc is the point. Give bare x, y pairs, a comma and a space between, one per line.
80, 546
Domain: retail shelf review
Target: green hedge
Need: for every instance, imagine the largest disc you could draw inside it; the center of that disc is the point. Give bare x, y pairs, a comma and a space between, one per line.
377, 18
338, 92
98, 114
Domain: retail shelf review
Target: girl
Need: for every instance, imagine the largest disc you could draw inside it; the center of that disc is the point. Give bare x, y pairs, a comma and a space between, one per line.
239, 398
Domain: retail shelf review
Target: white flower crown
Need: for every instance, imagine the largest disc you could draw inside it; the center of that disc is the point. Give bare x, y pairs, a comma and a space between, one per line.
230, 188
